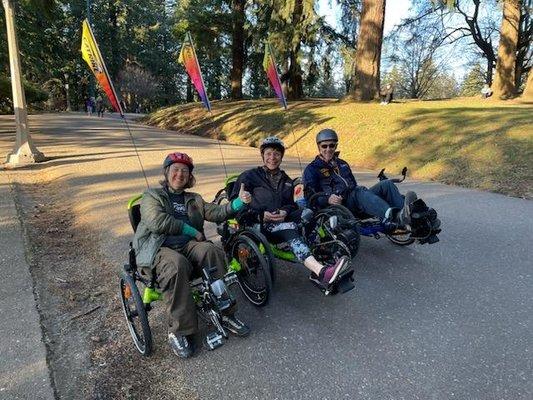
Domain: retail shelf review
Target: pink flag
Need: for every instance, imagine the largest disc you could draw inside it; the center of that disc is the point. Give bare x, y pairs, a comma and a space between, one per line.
269, 64
190, 61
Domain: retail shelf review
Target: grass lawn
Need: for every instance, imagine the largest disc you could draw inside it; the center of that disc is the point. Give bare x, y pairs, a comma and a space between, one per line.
484, 144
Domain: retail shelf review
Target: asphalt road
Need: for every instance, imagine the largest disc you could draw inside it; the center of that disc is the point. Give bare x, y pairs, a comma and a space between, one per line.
450, 320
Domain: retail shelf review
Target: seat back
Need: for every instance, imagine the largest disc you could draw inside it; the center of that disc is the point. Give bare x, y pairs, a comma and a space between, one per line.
229, 183
134, 211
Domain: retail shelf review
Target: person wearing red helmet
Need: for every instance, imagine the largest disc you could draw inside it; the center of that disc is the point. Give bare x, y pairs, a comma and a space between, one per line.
170, 243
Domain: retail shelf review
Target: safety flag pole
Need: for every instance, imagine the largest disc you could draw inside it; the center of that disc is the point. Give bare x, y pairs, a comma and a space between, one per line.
91, 54
190, 61
269, 65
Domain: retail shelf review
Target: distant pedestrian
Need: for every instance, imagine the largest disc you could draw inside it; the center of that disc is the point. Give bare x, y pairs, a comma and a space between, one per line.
100, 106
88, 106
386, 94
486, 91
93, 105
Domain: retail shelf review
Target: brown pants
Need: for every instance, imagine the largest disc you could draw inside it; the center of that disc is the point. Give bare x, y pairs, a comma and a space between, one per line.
174, 271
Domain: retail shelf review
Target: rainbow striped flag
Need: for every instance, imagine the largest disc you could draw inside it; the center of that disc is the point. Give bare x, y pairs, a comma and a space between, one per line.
269, 64
92, 56
190, 61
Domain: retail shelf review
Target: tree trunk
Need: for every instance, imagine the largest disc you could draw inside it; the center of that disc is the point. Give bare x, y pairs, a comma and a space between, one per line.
294, 74
295, 88
189, 96
365, 83
528, 91
504, 81
237, 49
490, 67
113, 39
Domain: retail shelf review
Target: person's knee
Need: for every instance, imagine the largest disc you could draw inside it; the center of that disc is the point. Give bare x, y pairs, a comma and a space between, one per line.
211, 253
387, 184
177, 265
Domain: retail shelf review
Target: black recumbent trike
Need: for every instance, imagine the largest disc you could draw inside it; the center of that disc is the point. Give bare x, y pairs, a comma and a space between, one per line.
138, 292
329, 236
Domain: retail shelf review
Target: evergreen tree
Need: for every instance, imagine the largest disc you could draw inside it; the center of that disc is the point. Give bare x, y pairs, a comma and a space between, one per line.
473, 82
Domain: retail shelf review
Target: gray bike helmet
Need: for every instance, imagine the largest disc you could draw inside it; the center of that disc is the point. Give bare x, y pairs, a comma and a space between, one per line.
272, 142
326, 134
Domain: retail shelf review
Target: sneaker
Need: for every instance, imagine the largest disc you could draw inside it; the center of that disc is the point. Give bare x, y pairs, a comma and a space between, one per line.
235, 326
404, 216
181, 345
329, 274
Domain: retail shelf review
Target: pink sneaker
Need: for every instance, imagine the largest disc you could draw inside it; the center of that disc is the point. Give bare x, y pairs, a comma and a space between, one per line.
329, 274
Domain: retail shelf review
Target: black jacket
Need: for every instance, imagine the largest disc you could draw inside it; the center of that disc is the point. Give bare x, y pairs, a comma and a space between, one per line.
264, 197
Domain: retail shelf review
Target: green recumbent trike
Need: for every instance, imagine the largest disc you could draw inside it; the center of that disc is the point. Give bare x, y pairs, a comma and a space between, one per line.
138, 292
252, 256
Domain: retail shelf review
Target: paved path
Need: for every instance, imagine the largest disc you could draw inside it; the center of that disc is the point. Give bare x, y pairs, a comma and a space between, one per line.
23, 369
451, 320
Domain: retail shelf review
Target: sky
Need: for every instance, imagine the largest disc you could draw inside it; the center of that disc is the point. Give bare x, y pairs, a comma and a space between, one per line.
395, 11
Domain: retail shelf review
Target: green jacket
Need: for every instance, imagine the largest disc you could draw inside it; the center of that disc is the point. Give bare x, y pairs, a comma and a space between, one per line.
157, 221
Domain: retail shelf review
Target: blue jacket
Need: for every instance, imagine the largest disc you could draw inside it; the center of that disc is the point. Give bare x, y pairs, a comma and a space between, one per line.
320, 176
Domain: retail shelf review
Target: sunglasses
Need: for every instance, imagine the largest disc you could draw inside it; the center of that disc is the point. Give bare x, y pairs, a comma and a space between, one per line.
328, 146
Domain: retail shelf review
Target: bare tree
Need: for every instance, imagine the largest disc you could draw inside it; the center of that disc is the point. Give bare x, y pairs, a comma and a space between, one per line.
137, 85
417, 59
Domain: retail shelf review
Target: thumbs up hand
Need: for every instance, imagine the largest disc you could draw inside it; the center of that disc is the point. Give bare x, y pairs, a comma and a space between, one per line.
245, 196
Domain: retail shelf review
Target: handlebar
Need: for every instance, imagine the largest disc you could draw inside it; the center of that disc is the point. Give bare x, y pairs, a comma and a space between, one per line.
382, 176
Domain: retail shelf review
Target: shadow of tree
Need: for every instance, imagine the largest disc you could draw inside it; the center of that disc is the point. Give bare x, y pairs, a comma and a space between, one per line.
245, 122
472, 147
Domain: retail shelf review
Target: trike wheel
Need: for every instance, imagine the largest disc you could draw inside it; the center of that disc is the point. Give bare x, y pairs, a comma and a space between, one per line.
400, 238
254, 277
341, 241
135, 314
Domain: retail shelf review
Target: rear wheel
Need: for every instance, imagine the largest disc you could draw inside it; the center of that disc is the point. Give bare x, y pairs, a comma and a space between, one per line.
136, 315
254, 277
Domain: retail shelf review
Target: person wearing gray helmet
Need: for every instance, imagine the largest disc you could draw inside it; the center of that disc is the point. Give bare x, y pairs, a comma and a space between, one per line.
332, 176
274, 208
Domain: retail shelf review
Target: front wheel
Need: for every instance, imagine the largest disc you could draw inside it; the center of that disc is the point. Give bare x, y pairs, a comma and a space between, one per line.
400, 237
254, 276
136, 315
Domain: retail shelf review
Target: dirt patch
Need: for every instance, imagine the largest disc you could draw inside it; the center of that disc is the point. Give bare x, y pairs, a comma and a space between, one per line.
89, 351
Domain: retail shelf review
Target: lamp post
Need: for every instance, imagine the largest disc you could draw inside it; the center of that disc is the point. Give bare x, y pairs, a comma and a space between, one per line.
66, 92
24, 151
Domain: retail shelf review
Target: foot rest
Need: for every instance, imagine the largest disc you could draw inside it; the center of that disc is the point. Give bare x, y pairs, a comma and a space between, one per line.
343, 284
214, 340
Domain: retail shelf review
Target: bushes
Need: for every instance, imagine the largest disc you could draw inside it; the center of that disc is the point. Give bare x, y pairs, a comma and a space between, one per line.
34, 94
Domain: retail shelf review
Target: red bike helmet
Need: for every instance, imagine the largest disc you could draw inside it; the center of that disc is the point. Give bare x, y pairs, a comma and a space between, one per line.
178, 157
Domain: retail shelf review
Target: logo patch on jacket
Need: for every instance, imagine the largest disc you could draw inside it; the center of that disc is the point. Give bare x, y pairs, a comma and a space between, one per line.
325, 172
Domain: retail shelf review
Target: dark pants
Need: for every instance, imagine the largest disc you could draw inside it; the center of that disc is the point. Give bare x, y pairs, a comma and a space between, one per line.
174, 271
376, 200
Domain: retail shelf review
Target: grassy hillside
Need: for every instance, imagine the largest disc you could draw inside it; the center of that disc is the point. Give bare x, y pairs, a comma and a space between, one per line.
485, 144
